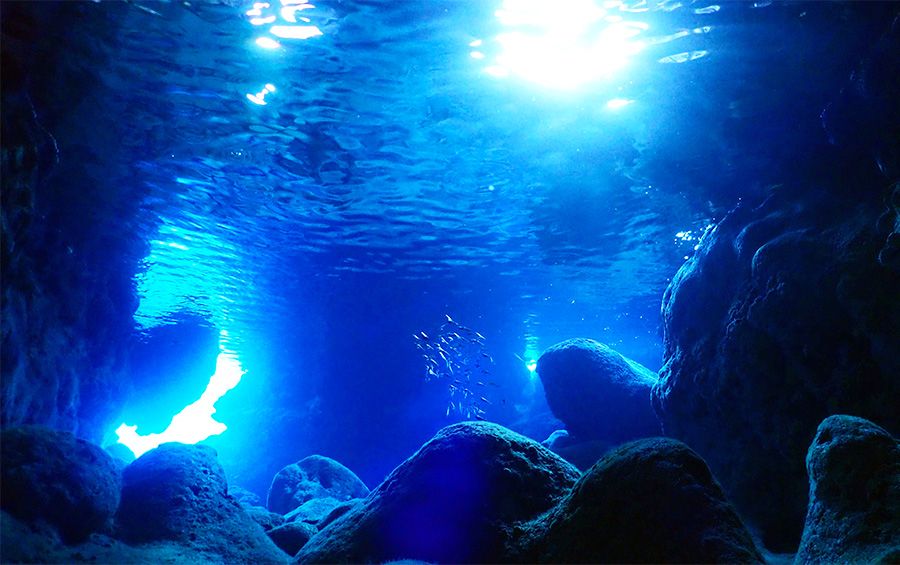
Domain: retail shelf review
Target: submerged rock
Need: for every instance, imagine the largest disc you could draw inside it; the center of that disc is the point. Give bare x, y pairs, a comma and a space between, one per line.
292, 536
854, 494
783, 317
598, 393
649, 501
581, 454
313, 477
456, 500
789, 310
52, 476
264, 517
244, 496
179, 492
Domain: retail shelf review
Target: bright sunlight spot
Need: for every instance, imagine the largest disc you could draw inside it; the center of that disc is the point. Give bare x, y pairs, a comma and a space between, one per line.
563, 44
617, 103
195, 423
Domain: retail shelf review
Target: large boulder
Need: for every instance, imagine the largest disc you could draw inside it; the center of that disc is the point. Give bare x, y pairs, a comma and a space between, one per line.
313, 477
458, 499
53, 476
854, 494
598, 393
292, 536
789, 310
649, 501
178, 492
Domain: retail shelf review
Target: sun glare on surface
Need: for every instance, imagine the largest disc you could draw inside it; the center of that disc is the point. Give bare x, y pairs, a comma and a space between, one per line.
564, 44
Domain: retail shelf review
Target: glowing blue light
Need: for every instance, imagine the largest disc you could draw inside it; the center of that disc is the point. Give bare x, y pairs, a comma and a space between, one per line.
531, 366
267, 43
564, 46
195, 423
617, 103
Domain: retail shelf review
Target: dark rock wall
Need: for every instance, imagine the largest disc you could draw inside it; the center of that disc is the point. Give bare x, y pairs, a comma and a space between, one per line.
68, 252
790, 312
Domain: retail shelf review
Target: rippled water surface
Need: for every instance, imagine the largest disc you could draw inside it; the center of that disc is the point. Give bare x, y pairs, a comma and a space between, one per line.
448, 140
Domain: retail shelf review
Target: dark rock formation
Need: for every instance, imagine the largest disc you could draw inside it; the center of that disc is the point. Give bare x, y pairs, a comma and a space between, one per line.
178, 492
313, 477
854, 494
649, 501
582, 454
789, 312
55, 477
338, 511
68, 245
292, 536
598, 393
456, 500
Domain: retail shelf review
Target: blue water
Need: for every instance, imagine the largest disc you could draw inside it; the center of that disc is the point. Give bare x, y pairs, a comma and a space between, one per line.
409, 164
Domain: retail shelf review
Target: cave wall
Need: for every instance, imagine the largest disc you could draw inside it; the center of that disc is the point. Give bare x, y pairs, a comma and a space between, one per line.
69, 250
790, 310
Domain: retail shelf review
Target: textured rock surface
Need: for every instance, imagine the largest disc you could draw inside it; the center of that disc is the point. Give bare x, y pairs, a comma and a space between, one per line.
854, 494
783, 317
788, 313
68, 248
265, 518
598, 393
178, 492
649, 501
292, 536
313, 477
455, 500
244, 496
55, 477
312, 511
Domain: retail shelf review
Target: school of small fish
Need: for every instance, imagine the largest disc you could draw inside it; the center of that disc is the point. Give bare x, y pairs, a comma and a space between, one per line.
458, 354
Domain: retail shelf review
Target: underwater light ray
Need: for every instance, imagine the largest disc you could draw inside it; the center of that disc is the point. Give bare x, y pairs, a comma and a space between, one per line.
195, 422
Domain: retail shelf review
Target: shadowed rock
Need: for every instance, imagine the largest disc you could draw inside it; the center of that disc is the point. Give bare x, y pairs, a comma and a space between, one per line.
598, 393
649, 501
292, 536
313, 477
178, 492
854, 494
456, 500
53, 476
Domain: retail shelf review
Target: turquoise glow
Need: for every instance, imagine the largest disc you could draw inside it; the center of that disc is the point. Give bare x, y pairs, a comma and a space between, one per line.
195, 423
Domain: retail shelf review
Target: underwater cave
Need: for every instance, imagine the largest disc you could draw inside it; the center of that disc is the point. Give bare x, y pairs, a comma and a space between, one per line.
450, 281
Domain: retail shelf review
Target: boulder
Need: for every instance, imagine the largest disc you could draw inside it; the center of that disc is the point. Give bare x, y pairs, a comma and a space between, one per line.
178, 492
598, 393
264, 517
338, 511
53, 476
458, 499
312, 511
313, 477
649, 501
854, 494
292, 536
244, 496
582, 454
